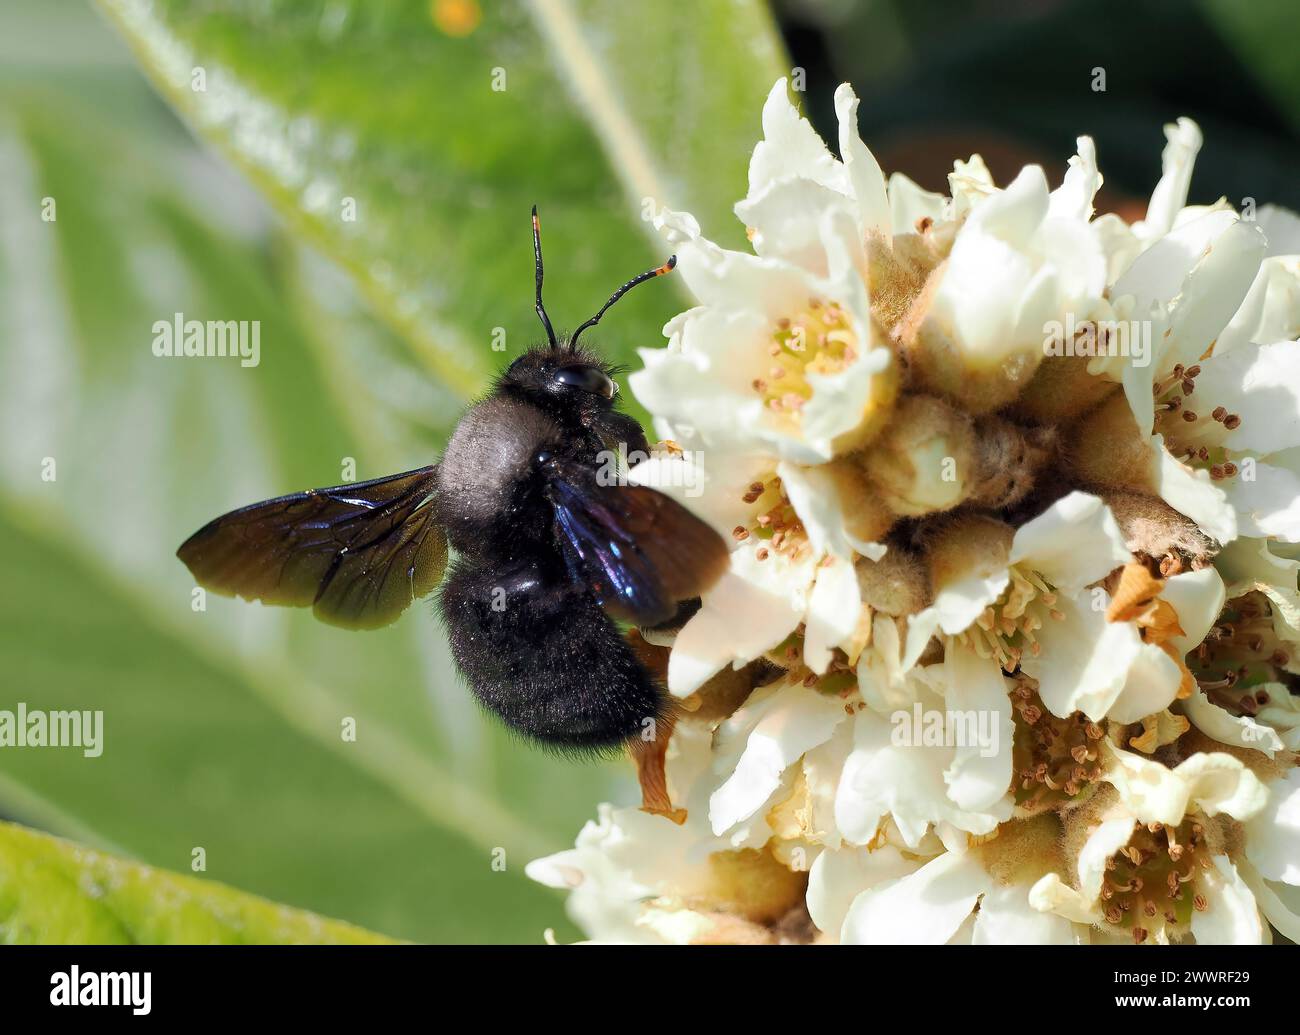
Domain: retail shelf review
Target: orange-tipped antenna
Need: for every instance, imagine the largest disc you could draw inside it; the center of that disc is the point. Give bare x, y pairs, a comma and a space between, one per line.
537, 253
658, 271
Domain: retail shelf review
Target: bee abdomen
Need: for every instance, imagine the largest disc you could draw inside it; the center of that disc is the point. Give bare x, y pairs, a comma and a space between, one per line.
541, 654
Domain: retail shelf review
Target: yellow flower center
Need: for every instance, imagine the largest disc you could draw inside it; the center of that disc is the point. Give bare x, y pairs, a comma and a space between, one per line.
840, 677
1151, 883
1193, 429
820, 341
773, 522
1054, 760
1239, 654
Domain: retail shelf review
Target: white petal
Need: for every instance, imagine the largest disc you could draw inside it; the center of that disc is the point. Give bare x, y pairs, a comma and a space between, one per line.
736, 280
1273, 836
1250, 564
822, 767
1211, 294
675, 926
1261, 383
710, 491
1271, 309
706, 382
865, 177
889, 774
837, 878
1074, 542
883, 681
785, 217
909, 204
980, 773
1192, 493
1150, 686
1150, 791
833, 610
1197, 597
1050, 894
921, 628
1232, 916
752, 608
816, 497
1218, 782
1226, 728
1118, 242
965, 934
1280, 903
1083, 660
1006, 918
1139, 378
562, 870
620, 859
924, 908
1282, 227
995, 295
1156, 276
958, 603
1108, 838
1073, 198
970, 183
799, 719
843, 400
791, 147
1214, 781
1176, 161
1268, 503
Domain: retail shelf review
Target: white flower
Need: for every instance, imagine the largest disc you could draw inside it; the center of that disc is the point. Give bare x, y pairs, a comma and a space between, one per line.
797, 532
1203, 848
775, 358
1224, 428
895, 773
1226, 439
1260, 622
1023, 257
637, 877
937, 904
777, 727
838, 876
1029, 605
992, 602
1200, 849
609, 873
794, 180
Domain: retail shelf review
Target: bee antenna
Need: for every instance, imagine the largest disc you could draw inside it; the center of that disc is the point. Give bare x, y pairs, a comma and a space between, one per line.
537, 254
658, 271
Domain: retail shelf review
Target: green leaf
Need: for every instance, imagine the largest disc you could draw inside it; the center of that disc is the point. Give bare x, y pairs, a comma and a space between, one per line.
597, 112
1263, 33
224, 725
53, 892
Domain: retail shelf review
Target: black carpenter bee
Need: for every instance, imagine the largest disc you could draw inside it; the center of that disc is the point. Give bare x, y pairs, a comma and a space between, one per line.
551, 556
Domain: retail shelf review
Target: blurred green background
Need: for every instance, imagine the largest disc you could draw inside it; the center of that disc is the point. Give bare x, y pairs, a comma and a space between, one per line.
437, 123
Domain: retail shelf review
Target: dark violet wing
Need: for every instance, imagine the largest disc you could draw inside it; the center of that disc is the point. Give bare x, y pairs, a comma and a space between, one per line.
356, 554
641, 551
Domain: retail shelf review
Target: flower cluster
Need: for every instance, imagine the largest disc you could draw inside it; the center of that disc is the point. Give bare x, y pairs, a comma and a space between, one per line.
1009, 645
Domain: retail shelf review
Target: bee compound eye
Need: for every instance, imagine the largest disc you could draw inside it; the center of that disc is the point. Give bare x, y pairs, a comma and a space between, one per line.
586, 379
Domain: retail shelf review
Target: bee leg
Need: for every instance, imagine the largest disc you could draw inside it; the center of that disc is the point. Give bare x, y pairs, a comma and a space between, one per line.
539, 651
648, 749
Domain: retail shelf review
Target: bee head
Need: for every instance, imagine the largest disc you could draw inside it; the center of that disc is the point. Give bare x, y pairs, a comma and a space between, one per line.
561, 373
560, 369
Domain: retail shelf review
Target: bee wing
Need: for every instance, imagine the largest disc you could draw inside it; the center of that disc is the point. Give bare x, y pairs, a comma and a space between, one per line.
356, 554
641, 551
